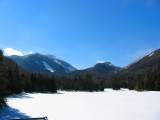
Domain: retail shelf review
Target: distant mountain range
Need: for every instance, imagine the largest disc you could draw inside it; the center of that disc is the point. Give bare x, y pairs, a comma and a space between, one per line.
142, 66
49, 64
142, 74
45, 64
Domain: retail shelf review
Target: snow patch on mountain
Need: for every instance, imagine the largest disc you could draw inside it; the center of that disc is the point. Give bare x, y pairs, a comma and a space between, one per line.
151, 54
50, 63
57, 61
54, 58
48, 67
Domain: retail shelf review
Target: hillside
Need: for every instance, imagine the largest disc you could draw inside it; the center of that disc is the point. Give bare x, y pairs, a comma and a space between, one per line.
45, 64
99, 70
144, 74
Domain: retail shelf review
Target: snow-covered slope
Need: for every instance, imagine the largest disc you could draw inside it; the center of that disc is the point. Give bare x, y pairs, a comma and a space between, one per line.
108, 105
40, 63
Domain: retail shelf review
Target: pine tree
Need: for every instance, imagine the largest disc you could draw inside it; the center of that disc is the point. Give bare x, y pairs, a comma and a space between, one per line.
3, 80
53, 87
15, 83
116, 84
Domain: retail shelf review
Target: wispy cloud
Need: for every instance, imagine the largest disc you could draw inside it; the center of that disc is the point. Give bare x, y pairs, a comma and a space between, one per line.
10, 51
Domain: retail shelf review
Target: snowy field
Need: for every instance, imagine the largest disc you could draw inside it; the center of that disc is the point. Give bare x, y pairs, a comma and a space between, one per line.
108, 105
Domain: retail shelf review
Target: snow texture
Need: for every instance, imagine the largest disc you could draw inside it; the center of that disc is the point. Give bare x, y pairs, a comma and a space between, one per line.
151, 54
108, 105
57, 61
48, 67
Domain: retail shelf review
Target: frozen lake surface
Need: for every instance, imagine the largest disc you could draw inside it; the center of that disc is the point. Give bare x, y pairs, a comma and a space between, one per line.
107, 105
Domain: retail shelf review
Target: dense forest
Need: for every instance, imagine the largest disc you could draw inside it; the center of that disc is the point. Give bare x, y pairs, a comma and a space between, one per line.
140, 80
3, 80
87, 83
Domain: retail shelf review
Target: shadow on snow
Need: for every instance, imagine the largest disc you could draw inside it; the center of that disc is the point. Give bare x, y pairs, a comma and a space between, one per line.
11, 113
21, 95
26, 95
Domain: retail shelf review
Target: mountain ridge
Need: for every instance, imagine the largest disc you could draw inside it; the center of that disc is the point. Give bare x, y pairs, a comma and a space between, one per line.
102, 69
40, 63
98, 70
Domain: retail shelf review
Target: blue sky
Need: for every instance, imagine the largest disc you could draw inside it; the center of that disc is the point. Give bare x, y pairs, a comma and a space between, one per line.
82, 31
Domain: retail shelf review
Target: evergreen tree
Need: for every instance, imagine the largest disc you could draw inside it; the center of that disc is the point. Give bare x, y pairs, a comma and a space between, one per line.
52, 85
116, 84
3, 80
15, 84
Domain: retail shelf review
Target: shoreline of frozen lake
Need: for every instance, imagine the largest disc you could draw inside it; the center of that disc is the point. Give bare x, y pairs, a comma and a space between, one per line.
107, 105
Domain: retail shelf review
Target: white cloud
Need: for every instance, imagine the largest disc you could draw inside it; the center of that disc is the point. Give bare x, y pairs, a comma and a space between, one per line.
99, 61
10, 51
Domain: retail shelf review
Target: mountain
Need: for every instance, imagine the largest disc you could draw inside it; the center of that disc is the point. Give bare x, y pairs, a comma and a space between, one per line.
45, 64
143, 74
98, 70
145, 63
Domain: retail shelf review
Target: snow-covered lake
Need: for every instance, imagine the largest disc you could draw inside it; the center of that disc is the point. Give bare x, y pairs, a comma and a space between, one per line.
108, 105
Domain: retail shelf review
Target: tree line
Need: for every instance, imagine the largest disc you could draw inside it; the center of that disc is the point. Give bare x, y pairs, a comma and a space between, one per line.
87, 83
